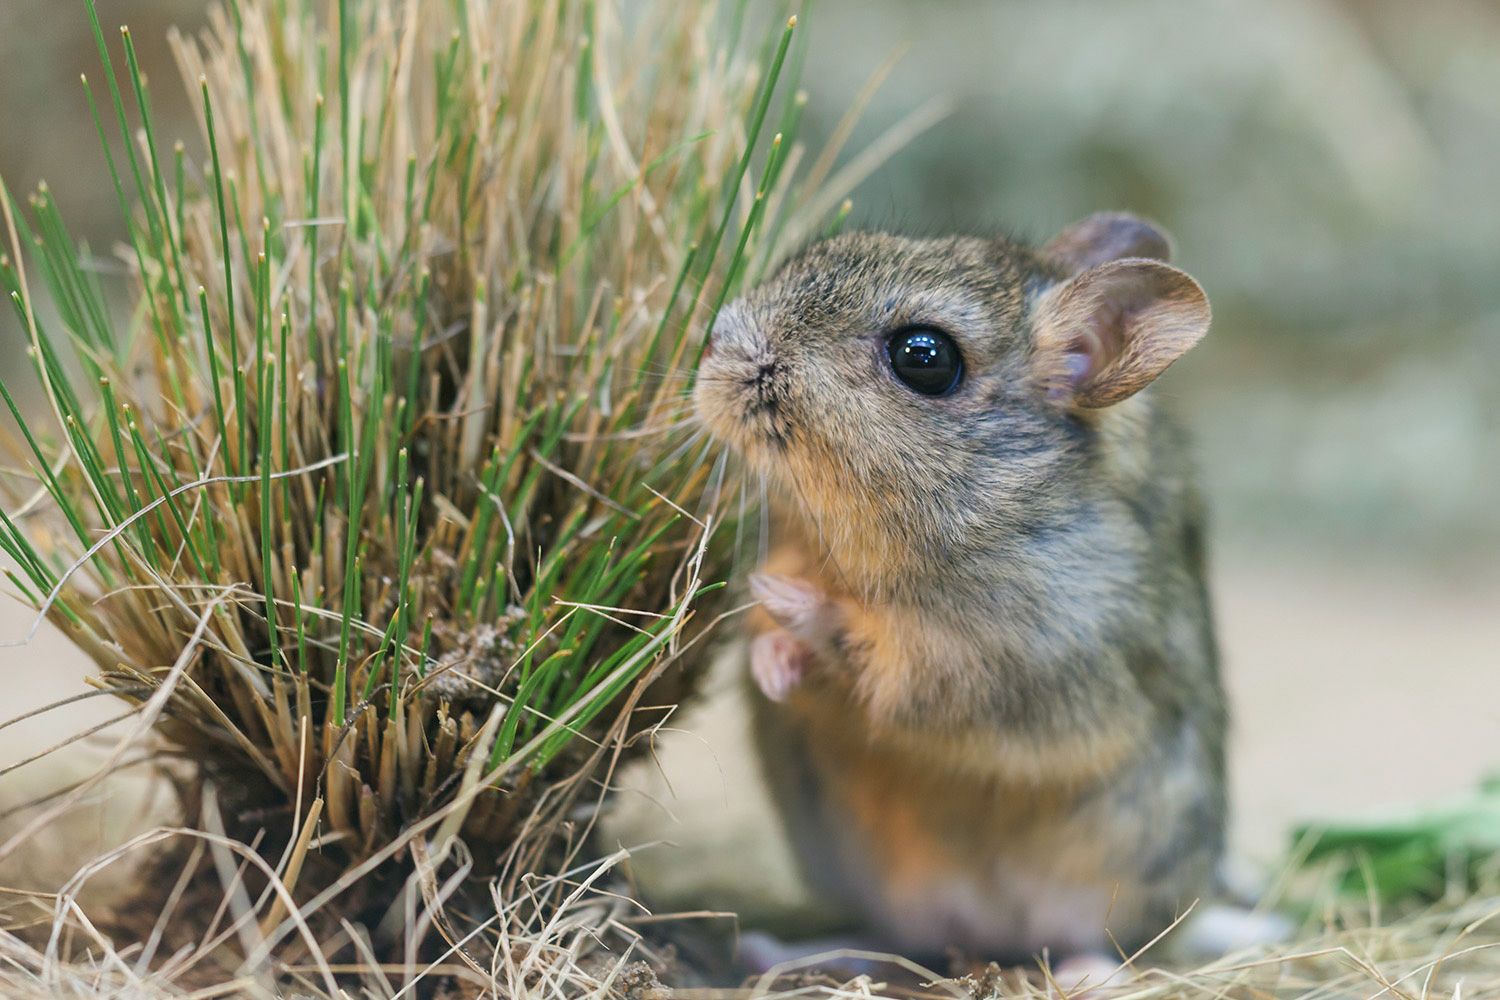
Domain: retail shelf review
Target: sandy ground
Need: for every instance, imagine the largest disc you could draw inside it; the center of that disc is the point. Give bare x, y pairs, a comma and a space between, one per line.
1355, 689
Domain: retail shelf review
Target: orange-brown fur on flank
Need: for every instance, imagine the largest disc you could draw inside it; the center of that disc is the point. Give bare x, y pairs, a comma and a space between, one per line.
1016, 741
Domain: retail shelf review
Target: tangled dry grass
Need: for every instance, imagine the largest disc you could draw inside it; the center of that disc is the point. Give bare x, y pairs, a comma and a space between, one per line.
546, 942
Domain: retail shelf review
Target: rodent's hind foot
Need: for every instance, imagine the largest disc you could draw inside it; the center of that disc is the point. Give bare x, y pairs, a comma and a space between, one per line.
1087, 976
767, 956
1225, 928
778, 662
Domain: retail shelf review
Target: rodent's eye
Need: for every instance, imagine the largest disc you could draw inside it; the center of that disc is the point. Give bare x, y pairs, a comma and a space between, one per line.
926, 359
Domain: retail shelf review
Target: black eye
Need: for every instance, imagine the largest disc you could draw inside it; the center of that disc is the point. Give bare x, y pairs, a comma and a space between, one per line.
926, 360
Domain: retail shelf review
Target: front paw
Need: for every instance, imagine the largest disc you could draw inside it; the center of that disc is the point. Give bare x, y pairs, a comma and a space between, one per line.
778, 662
797, 606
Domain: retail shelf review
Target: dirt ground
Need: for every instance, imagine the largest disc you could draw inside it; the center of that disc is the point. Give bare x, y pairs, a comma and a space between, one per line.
1356, 689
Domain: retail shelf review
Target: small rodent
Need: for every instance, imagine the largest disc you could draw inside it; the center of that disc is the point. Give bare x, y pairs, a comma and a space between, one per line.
994, 720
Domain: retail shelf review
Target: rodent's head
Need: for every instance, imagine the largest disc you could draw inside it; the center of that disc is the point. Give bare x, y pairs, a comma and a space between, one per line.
912, 394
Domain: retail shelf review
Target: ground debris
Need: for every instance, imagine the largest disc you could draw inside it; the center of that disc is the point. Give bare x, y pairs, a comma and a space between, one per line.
477, 660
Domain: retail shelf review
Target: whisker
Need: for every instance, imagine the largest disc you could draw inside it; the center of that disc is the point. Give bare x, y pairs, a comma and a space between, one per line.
716, 479
642, 431
765, 520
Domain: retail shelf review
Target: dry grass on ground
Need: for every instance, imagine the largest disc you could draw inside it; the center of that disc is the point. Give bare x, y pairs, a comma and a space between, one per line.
570, 935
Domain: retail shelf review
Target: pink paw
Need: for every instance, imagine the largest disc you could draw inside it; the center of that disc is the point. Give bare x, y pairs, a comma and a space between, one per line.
778, 663
797, 606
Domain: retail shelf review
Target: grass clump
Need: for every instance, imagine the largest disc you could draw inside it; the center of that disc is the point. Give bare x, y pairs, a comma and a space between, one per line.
385, 505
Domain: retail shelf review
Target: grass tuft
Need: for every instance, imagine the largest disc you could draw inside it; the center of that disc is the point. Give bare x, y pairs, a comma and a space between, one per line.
400, 430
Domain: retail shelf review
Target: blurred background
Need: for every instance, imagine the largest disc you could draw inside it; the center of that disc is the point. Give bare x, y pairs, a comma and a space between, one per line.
1329, 170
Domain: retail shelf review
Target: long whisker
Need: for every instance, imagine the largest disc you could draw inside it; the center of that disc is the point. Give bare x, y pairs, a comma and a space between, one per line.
677, 453
678, 423
765, 520
739, 530
716, 480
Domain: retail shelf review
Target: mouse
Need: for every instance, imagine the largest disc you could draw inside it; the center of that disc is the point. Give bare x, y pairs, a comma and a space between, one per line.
987, 697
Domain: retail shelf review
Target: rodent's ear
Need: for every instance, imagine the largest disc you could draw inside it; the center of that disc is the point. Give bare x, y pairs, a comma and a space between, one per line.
1105, 334
1106, 236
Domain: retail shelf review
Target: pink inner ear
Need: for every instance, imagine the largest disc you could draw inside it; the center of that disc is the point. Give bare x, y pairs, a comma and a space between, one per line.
1106, 333
1078, 368
1098, 341
1080, 365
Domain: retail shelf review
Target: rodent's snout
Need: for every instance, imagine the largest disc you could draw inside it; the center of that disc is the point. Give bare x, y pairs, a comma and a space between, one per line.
739, 392
736, 346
